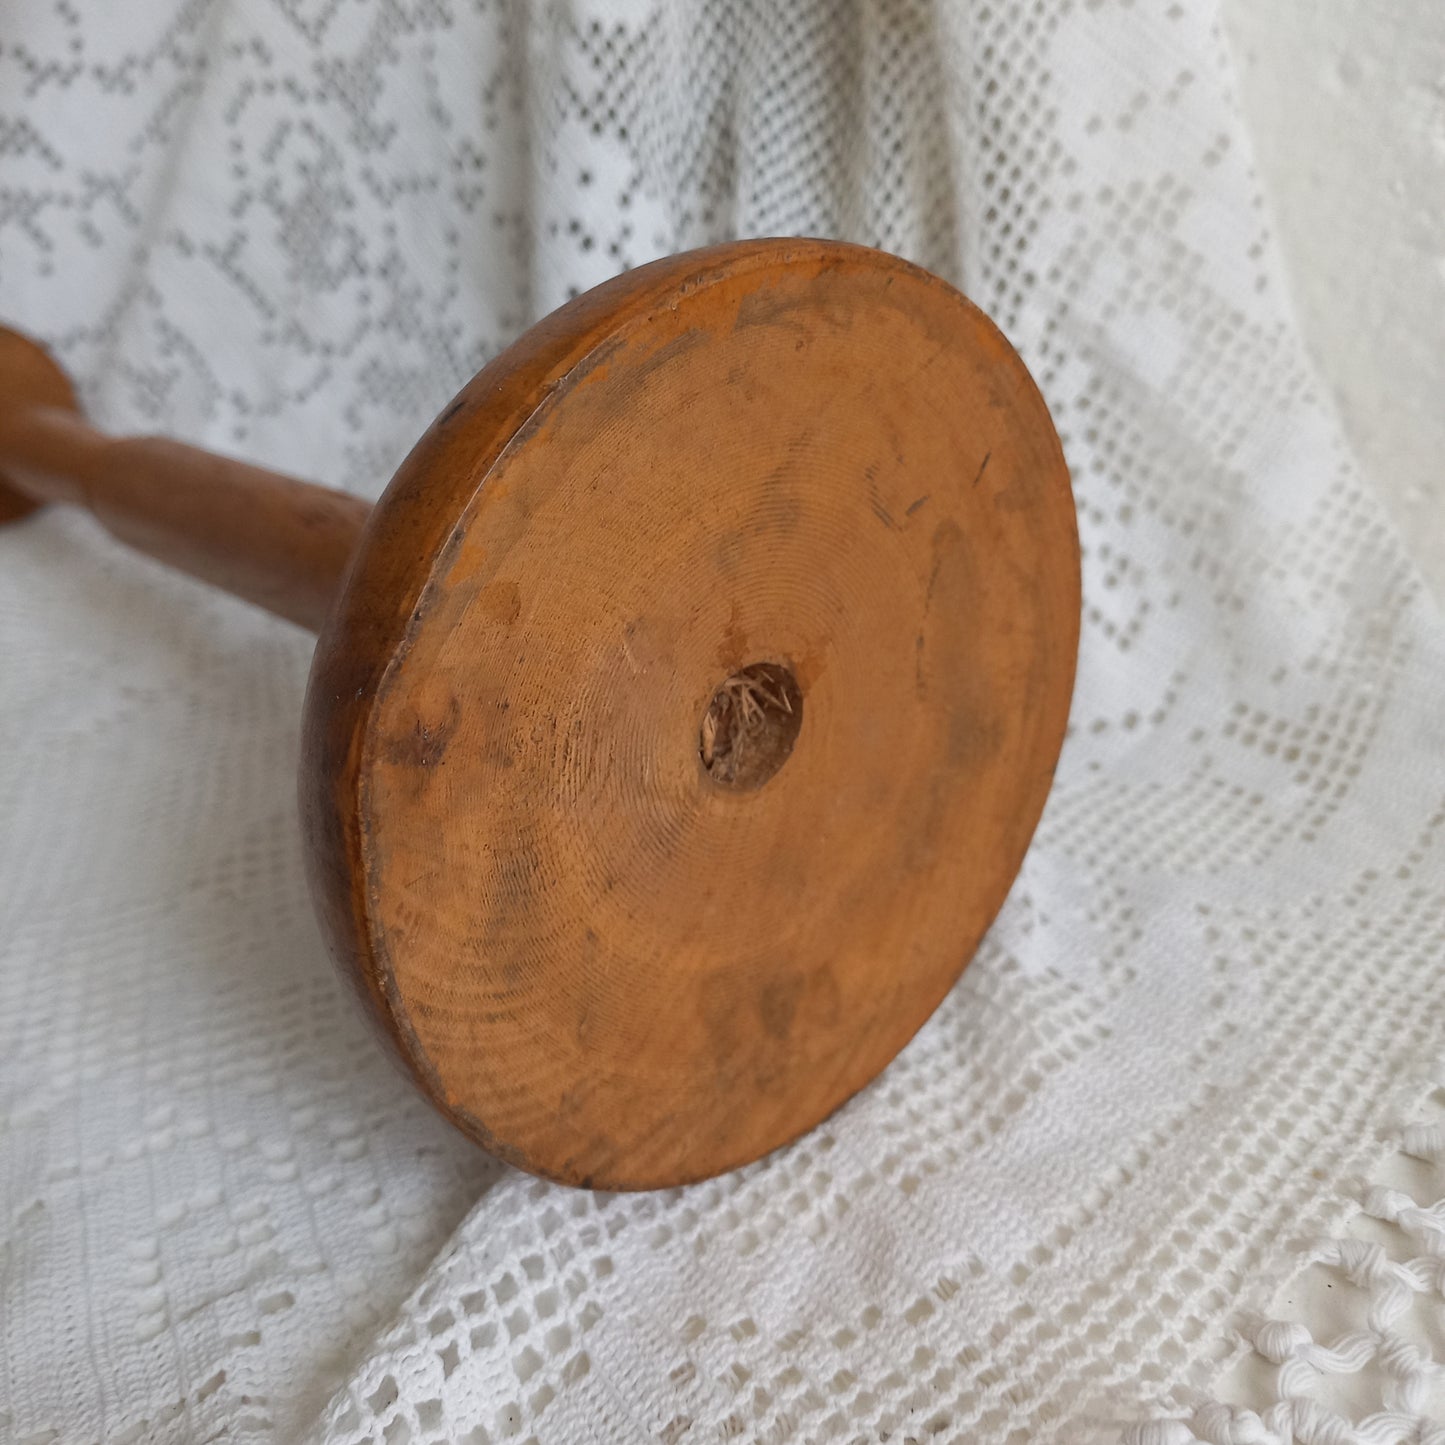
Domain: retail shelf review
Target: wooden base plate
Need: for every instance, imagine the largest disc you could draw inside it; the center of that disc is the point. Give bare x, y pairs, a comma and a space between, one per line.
691, 705
29, 376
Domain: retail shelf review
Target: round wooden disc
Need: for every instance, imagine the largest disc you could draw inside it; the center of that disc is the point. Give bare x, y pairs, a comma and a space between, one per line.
623, 930
29, 376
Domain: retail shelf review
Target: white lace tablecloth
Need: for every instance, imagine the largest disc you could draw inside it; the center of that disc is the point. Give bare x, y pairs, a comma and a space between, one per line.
1199, 1050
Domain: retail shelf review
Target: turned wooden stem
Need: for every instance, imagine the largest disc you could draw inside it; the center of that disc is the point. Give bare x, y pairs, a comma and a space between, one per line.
278, 542
681, 715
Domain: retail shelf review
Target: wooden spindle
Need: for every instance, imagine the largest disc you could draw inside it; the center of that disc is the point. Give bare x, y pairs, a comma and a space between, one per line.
277, 542
681, 714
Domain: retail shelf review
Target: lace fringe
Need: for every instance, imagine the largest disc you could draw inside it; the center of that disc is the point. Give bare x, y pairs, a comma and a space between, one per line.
1405, 1369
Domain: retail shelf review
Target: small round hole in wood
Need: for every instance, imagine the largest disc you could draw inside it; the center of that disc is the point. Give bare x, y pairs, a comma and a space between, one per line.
750, 726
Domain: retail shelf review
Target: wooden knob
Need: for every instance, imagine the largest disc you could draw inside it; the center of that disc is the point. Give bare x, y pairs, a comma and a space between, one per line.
688, 705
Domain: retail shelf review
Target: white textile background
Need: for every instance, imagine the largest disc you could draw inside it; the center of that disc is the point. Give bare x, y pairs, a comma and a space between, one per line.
1209, 1013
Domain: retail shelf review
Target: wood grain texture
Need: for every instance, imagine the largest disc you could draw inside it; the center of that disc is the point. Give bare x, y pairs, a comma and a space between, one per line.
599, 962
29, 380
278, 542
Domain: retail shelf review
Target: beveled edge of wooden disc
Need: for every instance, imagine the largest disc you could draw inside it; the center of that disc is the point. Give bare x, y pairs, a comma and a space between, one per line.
29, 376
379, 609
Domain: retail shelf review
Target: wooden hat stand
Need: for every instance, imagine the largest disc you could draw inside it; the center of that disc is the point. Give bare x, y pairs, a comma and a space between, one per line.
680, 714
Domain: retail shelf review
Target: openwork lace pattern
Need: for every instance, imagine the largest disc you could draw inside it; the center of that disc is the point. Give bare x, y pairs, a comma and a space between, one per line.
1080, 1201
1376, 1377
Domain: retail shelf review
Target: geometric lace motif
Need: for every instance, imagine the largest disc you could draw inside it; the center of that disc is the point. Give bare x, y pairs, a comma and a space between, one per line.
1374, 1375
